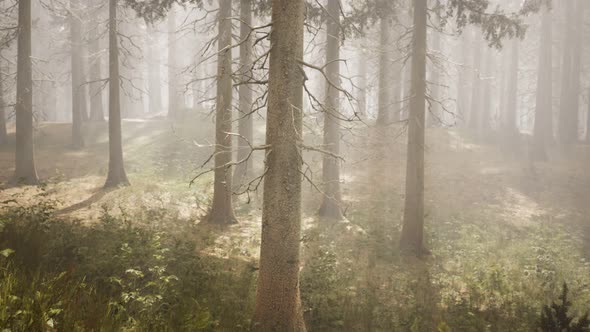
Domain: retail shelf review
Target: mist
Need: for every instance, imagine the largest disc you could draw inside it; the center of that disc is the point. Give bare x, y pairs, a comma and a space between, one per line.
294, 165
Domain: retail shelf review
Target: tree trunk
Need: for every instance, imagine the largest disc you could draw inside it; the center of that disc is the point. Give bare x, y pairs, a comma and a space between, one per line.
222, 211
384, 100
116, 176
332, 200
172, 72
96, 105
77, 75
154, 81
463, 86
434, 112
577, 69
278, 305
566, 121
25, 171
245, 126
543, 127
486, 111
412, 236
362, 85
510, 127
3, 134
475, 111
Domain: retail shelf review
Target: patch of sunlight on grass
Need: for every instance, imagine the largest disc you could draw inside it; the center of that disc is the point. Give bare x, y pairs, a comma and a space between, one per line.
519, 209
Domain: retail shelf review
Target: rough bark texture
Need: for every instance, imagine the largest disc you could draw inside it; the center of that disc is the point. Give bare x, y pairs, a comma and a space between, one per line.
222, 211
543, 128
566, 119
116, 176
96, 103
384, 100
78, 105
278, 305
332, 200
413, 223
245, 126
172, 88
3, 133
25, 171
510, 127
154, 81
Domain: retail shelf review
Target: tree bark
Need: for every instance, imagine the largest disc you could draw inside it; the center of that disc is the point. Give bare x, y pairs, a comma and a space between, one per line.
412, 235
278, 304
116, 175
78, 106
172, 72
222, 211
25, 171
96, 102
245, 126
332, 200
543, 127
434, 113
384, 100
3, 133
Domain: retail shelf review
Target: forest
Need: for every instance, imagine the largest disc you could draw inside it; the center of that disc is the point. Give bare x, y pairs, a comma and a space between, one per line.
295, 165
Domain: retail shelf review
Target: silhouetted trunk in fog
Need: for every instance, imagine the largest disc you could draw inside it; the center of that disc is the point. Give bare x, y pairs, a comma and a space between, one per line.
172, 72
412, 236
245, 126
486, 110
362, 85
384, 100
77, 74
588, 120
96, 88
332, 199
543, 129
463, 94
116, 176
222, 211
475, 111
577, 67
3, 133
434, 108
25, 171
154, 81
510, 119
278, 304
567, 132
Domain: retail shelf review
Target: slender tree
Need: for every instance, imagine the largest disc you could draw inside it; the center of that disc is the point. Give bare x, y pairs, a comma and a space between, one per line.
154, 81
172, 72
384, 100
25, 171
575, 92
475, 110
78, 105
245, 125
543, 127
510, 124
278, 304
566, 118
222, 211
3, 134
362, 84
413, 224
95, 56
116, 174
332, 200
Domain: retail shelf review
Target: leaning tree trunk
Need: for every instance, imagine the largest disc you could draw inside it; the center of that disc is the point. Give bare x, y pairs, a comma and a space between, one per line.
172, 72
3, 134
412, 235
245, 126
278, 305
543, 127
222, 211
332, 200
96, 106
384, 100
116, 176
25, 171
566, 134
77, 75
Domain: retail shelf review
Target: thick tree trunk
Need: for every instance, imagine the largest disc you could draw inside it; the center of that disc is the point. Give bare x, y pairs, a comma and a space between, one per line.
412, 236
245, 126
3, 134
543, 128
154, 81
116, 176
384, 100
25, 171
566, 119
78, 106
222, 211
475, 111
510, 127
278, 305
332, 200
96, 103
172, 72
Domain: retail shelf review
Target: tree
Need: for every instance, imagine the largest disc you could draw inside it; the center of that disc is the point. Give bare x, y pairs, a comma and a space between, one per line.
222, 211
245, 126
510, 127
332, 200
384, 100
413, 223
95, 88
567, 120
278, 304
3, 134
116, 174
154, 81
25, 171
78, 105
543, 127
474, 114
172, 71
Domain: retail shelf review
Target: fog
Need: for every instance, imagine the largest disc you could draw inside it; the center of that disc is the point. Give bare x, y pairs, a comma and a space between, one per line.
294, 165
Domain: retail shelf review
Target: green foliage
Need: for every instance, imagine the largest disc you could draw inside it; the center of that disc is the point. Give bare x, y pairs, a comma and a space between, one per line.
556, 317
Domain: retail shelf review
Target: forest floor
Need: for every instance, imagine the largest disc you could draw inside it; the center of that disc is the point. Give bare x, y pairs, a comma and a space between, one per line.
500, 230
